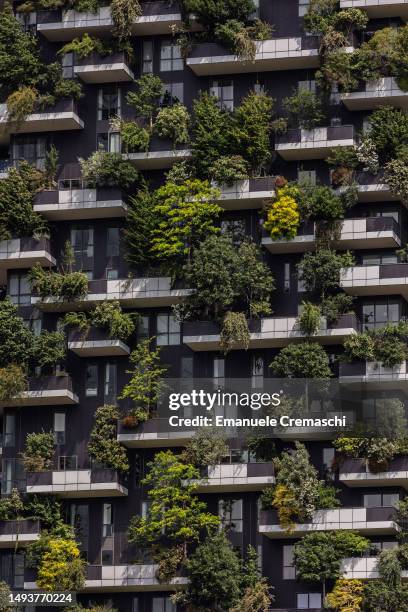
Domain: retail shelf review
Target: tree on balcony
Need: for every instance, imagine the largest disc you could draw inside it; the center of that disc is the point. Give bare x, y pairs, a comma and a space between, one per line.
107, 315
347, 594
103, 446
317, 556
176, 517
282, 214
305, 109
38, 453
13, 382
206, 448
108, 170
305, 360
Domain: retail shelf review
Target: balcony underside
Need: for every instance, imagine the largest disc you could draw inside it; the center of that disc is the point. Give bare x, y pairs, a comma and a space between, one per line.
80, 491
50, 397
83, 210
104, 73
374, 528
361, 100
48, 122
245, 201
387, 287
239, 485
26, 259
368, 479
375, 192
310, 150
376, 9
157, 160
267, 340
229, 64
99, 348
155, 440
13, 540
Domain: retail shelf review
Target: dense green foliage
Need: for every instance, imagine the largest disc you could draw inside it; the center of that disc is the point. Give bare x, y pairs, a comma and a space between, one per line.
306, 360
103, 446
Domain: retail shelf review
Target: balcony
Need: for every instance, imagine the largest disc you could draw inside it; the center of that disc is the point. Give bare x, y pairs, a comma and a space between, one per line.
371, 188
374, 374
98, 69
82, 203
155, 433
96, 343
298, 144
13, 533
384, 279
45, 391
236, 477
247, 194
58, 118
385, 91
77, 483
137, 577
131, 293
379, 8
356, 473
365, 233
24, 253
295, 53
162, 154
367, 521
268, 332
157, 18
363, 568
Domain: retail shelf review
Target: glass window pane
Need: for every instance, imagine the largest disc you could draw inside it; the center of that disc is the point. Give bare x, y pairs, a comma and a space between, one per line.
372, 500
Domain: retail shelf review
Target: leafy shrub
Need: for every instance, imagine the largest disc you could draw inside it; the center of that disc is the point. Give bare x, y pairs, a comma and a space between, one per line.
320, 271
304, 109
173, 122
109, 315
13, 382
38, 452
306, 360
146, 99
16, 340
310, 319
124, 13
108, 170
211, 13
282, 215
206, 448
359, 347
388, 131
234, 331
49, 349
68, 287
68, 88
103, 446
333, 306
134, 137
229, 169
60, 567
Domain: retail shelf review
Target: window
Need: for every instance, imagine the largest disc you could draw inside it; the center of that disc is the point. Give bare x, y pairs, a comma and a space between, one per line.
236, 228
307, 177
82, 241
170, 57
394, 214
376, 259
303, 6
109, 142
289, 570
379, 313
30, 148
309, 85
13, 475
384, 545
107, 524
108, 102
67, 462
257, 372
168, 330
256, 13
135, 605
12, 569
79, 520
162, 604
91, 380
110, 387
143, 327
67, 62
59, 427
9, 433
19, 289
380, 500
113, 242
305, 601
187, 368
286, 277
223, 90
219, 372
147, 61
173, 93
230, 512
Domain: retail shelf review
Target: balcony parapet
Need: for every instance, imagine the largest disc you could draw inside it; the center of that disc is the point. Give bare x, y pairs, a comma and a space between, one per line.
368, 521
291, 53
112, 68
13, 533
373, 94
379, 8
96, 343
162, 154
45, 391
356, 473
235, 477
298, 144
384, 279
24, 253
155, 433
245, 194
82, 203
77, 483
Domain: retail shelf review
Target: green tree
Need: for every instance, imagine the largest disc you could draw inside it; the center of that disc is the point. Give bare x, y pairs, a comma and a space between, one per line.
225, 277
306, 360
214, 572
186, 214
176, 516
145, 384
304, 108
17, 217
146, 99
20, 63
347, 595
38, 453
379, 597
251, 130
103, 446
211, 13
207, 447
16, 340
317, 556
141, 222
49, 350
388, 131
211, 134
320, 271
